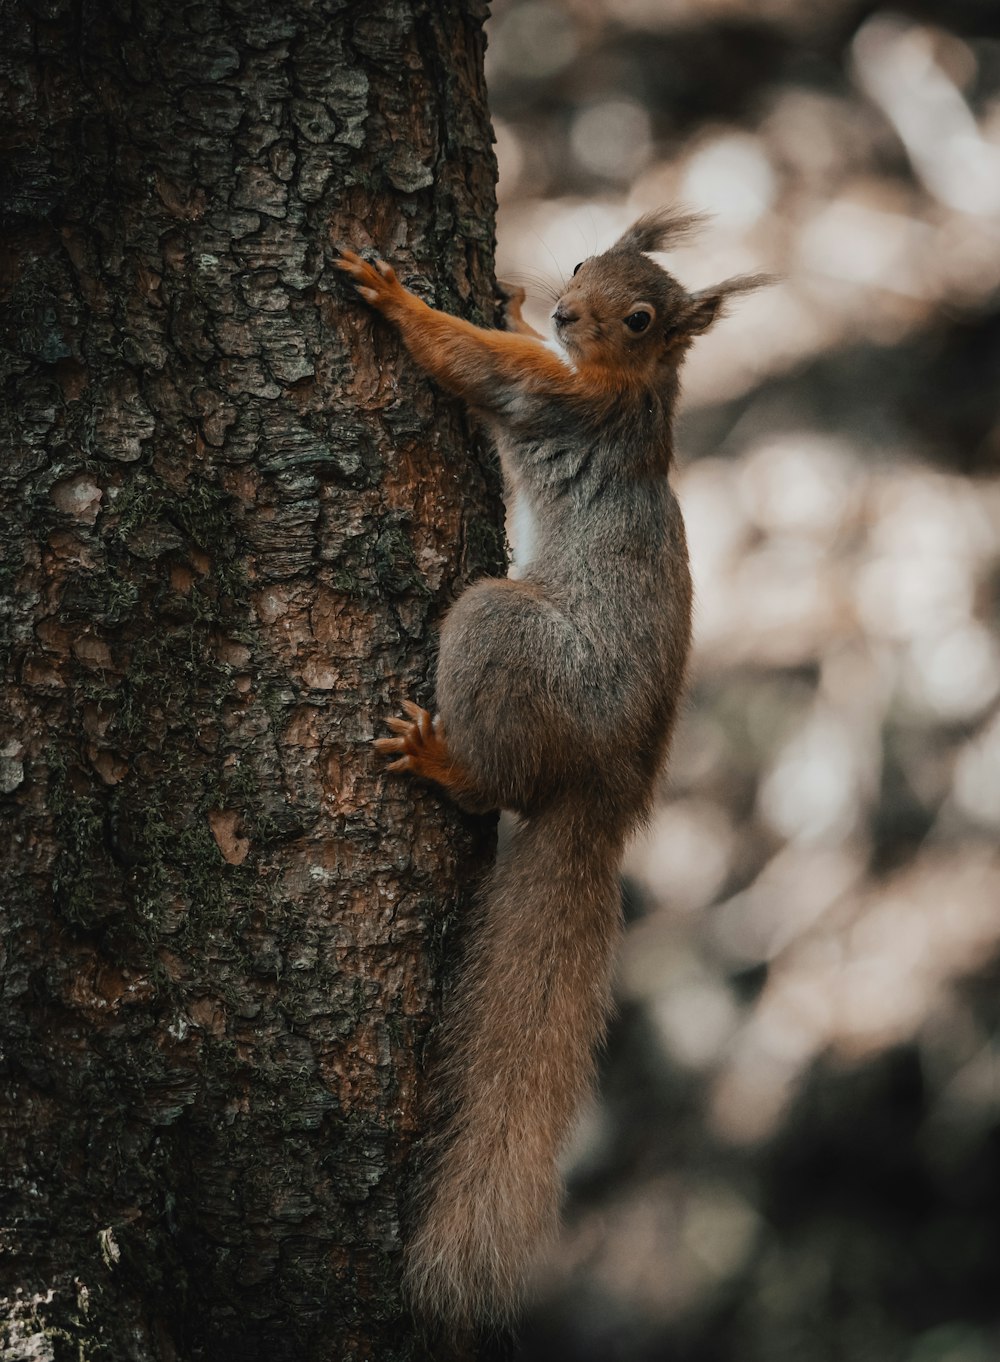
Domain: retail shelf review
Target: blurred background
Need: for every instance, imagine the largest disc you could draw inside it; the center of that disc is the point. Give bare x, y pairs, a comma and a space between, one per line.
797, 1150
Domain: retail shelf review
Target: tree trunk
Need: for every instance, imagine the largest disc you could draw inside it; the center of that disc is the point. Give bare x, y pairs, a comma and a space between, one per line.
237, 513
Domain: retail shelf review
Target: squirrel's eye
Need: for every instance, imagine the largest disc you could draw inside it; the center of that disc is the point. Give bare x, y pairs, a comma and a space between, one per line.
576, 267
638, 321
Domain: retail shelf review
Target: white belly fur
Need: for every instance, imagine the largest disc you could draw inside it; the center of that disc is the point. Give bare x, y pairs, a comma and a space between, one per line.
520, 532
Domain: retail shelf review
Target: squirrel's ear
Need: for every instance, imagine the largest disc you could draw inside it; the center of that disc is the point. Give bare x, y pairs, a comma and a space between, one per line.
657, 230
706, 307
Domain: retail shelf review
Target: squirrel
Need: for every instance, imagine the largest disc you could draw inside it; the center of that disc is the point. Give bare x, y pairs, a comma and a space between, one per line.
557, 693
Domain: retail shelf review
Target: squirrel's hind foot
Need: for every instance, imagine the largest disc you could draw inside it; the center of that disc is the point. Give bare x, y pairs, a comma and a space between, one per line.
420, 750
417, 747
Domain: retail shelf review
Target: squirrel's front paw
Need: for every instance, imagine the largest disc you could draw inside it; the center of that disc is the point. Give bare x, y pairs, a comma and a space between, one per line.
377, 283
514, 296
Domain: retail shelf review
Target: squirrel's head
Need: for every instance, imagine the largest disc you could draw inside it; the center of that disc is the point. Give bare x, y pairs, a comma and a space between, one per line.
622, 310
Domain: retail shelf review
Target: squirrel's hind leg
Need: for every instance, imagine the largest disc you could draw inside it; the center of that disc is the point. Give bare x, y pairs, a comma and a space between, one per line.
512, 688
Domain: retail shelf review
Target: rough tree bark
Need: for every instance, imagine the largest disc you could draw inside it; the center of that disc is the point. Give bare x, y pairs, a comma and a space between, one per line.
234, 514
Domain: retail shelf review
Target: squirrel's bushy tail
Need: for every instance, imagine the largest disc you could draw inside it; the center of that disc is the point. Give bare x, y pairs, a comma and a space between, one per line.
517, 1056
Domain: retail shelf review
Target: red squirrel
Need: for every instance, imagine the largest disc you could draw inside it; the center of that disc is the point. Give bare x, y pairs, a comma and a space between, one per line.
556, 695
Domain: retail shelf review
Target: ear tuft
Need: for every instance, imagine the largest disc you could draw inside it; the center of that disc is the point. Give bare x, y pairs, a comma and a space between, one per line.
711, 303
659, 229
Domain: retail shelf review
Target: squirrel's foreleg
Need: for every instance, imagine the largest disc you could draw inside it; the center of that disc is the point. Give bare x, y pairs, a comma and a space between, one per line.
488, 368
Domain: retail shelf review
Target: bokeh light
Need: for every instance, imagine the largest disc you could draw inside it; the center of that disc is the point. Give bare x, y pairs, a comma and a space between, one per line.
797, 1150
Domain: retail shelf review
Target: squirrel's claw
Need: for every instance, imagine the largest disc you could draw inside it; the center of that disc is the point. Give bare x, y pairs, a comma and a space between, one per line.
391, 744
390, 747
415, 737
375, 282
421, 718
421, 750
418, 748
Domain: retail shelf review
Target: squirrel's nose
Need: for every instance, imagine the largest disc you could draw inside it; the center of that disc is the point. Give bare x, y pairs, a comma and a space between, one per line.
563, 315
